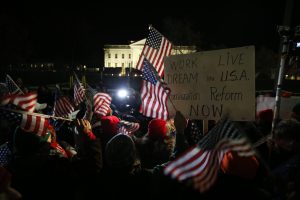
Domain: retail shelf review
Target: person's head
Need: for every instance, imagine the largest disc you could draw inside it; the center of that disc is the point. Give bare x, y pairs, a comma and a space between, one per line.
65, 132
120, 152
28, 143
265, 116
105, 128
244, 167
157, 129
296, 112
264, 120
161, 130
158, 144
287, 136
109, 125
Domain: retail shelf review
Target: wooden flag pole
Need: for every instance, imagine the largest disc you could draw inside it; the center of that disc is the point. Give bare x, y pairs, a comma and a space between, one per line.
76, 77
35, 114
205, 126
173, 104
262, 140
71, 82
83, 81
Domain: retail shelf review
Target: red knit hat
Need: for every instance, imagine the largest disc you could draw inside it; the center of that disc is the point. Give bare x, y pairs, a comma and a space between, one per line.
109, 124
266, 115
243, 167
157, 129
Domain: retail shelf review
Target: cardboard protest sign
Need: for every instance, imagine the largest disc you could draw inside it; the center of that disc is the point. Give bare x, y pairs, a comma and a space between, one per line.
211, 84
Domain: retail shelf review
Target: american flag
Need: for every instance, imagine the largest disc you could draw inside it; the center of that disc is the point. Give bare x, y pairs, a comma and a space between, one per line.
101, 101
25, 101
194, 129
62, 105
4, 154
153, 94
28, 122
202, 162
128, 128
156, 48
79, 91
12, 87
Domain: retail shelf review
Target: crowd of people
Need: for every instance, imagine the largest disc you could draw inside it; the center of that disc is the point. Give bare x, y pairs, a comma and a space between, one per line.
90, 158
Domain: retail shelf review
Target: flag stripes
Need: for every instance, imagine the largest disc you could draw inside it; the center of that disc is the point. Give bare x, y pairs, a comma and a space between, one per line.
63, 107
79, 93
25, 101
154, 98
36, 124
128, 128
102, 103
202, 162
156, 48
154, 94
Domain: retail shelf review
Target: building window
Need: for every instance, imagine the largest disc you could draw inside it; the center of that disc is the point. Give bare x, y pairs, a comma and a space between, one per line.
129, 65
109, 64
129, 56
122, 55
108, 55
116, 64
116, 55
122, 64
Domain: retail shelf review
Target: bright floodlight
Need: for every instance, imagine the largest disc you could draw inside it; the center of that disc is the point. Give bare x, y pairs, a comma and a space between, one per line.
122, 93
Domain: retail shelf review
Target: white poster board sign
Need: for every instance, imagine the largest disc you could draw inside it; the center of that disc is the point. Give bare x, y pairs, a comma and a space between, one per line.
211, 84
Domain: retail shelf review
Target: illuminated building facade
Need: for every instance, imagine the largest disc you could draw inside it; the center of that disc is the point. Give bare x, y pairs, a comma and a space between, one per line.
126, 56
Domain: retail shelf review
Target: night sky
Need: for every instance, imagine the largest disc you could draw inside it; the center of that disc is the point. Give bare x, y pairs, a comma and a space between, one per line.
76, 33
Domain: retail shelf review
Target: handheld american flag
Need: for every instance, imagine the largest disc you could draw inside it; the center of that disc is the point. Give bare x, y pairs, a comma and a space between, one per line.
101, 101
128, 128
79, 91
12, 87
153, 94
156, 48
25, 101
62, 105
27, 121
201, 163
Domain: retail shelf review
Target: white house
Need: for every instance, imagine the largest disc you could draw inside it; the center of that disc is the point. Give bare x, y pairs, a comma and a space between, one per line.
128, 55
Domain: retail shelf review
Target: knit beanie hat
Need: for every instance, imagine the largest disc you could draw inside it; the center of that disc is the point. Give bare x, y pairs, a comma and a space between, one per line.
27, 143
266, 115
243, 167
120, 152
157, 129
109, 124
